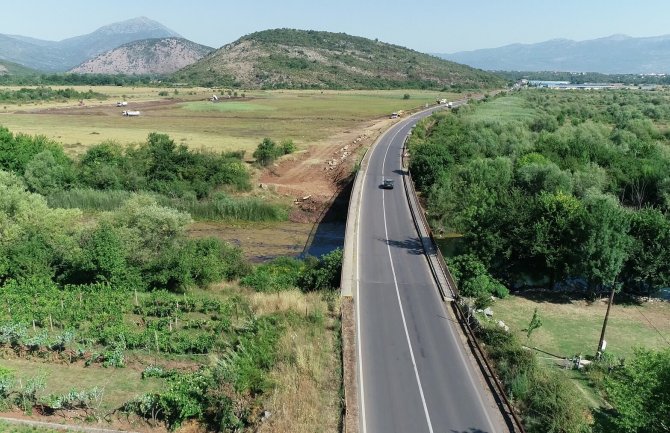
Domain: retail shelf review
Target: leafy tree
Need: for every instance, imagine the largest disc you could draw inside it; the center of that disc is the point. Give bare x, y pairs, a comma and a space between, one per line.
535, 323
103, 167
648, 265
605, 241
473, 278
16, 151
266, 152
44, 174
557, 224
640, 393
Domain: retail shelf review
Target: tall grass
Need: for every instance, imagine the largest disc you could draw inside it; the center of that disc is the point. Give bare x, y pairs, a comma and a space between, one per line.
221, 207
88, 199
229, 208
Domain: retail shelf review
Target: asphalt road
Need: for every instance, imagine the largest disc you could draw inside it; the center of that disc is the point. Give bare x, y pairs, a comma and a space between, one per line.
414, 375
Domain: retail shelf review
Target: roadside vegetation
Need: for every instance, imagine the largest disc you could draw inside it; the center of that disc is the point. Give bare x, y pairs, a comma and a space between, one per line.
564, 194
121, 285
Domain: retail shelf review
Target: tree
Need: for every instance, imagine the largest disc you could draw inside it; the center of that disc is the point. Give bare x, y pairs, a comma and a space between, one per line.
648, 265
557, 221
535, 323
605, 241
266, 152
44, 174
640, 393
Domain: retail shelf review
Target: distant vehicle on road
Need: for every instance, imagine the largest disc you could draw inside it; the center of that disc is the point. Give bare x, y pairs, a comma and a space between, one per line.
130, 113
121, 104
394, 115
387, 183
449, 104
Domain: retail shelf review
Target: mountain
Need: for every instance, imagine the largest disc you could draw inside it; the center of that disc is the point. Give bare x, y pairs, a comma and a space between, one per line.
616, 54
287, 58
149, 56
9, 68
50, 56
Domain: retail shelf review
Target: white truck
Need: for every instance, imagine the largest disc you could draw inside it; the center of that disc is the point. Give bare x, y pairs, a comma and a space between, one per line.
121, 104
130, 113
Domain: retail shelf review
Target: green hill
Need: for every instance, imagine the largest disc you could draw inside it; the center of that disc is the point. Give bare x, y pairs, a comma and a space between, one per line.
9, 68
286, 58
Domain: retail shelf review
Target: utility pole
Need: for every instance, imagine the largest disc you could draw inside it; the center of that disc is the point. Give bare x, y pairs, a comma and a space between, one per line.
607, 315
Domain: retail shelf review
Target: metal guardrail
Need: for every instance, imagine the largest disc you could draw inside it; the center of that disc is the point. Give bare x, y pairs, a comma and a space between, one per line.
432, 250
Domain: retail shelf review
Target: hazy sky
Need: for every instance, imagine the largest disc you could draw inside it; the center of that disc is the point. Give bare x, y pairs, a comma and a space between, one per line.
428, 26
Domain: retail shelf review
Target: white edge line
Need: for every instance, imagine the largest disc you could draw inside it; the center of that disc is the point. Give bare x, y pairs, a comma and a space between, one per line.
358, 318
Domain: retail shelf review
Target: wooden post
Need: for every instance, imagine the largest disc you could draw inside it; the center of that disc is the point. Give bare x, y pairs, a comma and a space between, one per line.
607, 315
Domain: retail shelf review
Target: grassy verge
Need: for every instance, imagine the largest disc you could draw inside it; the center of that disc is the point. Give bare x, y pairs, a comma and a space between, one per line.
307, 378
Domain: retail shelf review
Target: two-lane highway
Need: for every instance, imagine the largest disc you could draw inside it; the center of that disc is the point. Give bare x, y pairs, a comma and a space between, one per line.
414, 374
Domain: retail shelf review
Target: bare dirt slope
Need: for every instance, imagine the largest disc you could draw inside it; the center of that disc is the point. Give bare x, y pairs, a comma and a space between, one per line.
314, 176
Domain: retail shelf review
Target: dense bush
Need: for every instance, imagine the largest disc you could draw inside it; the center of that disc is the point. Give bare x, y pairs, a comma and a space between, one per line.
547, 400
139, 245
160, 165
268, 151
286, 273
639, 392
574, 191
47, 94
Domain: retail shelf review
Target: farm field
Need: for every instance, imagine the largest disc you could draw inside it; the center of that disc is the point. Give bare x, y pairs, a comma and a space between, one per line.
306, 117
302, 383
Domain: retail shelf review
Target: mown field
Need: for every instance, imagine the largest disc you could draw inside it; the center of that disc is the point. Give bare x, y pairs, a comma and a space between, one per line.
572, 327
306, 117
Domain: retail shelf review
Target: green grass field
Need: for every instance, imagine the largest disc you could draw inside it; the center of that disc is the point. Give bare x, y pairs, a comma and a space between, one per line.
307, 117
119, 384
573, 328
502, 109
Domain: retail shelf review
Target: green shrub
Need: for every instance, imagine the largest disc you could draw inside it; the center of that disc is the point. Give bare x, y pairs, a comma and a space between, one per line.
323, 273
283, 273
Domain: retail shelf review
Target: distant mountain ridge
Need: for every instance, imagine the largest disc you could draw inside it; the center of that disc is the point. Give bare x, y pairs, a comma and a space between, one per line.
289, 58
615, 54
9, 68
148, 56
52, 56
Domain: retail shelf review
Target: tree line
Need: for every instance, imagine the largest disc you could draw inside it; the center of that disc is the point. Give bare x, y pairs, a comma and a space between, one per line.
576, 195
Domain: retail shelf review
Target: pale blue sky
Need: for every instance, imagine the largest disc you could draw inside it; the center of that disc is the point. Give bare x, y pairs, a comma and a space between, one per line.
424, 25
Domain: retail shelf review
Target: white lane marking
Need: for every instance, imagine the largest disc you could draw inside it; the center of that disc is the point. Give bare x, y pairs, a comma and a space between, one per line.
358, 316
397, 291
451, 331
